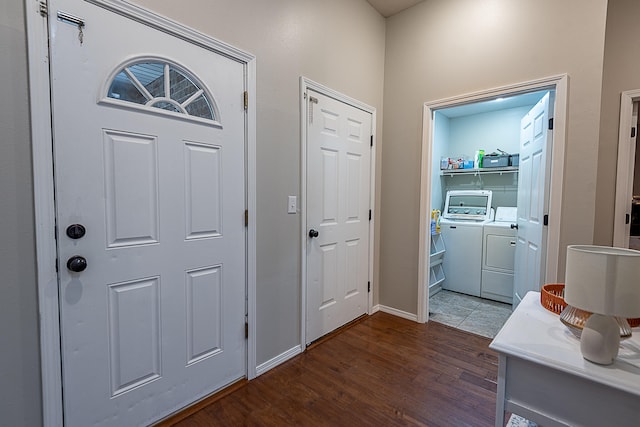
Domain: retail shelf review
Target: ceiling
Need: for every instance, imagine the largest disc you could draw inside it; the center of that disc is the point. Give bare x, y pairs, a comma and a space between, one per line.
391, 7
521, 100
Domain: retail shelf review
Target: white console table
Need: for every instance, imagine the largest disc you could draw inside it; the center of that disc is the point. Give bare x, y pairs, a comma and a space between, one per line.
543, 377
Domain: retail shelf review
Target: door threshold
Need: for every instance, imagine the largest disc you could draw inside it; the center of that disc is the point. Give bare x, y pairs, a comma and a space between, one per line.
337, 331
191, 409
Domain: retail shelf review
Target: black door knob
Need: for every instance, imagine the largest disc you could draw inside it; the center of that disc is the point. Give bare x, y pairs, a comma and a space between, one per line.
77, 263
514, 226
313, 233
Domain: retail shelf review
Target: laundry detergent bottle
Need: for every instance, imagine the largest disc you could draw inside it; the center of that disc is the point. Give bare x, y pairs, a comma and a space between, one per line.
435, 221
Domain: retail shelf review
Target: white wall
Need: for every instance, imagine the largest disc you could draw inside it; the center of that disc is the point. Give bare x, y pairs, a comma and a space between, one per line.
339, 43
486, 131
20, 402
504, 187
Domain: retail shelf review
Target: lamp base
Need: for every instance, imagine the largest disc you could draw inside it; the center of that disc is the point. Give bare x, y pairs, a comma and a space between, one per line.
600, 339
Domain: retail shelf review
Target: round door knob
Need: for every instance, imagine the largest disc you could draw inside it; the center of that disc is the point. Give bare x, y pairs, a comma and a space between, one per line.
313, 233
77, 263
514, 226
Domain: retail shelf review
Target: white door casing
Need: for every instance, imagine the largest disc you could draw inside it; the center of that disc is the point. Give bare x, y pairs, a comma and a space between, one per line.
625, 167
558, 83
338, 176
630, 158
156, 321
533, 189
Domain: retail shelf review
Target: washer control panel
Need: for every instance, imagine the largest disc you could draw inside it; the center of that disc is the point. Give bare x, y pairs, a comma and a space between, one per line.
471, 205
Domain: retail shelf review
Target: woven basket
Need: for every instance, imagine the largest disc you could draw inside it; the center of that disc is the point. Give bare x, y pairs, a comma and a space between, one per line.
552, 298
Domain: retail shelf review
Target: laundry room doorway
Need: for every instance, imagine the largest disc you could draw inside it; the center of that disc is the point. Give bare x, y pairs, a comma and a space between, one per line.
471, 123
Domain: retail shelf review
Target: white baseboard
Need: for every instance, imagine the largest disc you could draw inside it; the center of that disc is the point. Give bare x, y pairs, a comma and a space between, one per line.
374, 309
396, 312
281, 358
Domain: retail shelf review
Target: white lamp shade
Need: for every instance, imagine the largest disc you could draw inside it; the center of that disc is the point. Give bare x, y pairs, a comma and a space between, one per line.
603, 280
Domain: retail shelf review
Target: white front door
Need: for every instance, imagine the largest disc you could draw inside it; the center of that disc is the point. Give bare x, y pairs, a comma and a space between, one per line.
149, 149
533, 190
338, 183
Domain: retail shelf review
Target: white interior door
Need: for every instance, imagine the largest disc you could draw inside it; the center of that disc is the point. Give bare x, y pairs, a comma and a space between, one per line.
533, 190
149, 157
338, 184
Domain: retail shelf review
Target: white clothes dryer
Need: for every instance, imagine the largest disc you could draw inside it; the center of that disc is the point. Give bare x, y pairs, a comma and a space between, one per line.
465, 213
499, 249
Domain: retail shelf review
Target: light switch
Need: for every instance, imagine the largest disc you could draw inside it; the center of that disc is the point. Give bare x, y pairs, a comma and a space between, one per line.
292, 205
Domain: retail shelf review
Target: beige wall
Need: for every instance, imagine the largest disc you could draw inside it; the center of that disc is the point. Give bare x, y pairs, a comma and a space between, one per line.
20, 403
339, 43
443, 48
621, 73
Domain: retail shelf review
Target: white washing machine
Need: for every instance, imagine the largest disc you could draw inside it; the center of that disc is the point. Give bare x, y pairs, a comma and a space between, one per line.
499, 249
461, 226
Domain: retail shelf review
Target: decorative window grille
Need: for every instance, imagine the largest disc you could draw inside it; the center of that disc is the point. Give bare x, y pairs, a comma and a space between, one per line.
165, 86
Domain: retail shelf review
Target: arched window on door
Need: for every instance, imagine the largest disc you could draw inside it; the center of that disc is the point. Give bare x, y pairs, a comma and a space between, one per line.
158, 85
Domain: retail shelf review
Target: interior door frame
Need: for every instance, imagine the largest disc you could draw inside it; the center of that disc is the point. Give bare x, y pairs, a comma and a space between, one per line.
306, 84
42, 161
625, 169
560, 84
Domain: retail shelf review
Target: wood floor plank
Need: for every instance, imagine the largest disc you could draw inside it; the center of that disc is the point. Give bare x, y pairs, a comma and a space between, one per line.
382, 370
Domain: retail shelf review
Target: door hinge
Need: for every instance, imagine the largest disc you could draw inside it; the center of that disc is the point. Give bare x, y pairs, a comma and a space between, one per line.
368, 286
372, 140
551, 123
56, 265
246, 330
545, 220
312, 101
246, 217
43, 10
626, 218
246, 100
633, 132
369, 214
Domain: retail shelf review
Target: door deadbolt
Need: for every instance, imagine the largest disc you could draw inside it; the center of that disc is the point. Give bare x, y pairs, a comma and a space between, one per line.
76, 231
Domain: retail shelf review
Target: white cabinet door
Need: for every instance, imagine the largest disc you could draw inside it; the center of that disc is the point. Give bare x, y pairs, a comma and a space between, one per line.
338, 181
149, 159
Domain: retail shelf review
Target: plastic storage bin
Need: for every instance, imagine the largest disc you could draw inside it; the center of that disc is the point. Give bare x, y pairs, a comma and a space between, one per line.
495, 161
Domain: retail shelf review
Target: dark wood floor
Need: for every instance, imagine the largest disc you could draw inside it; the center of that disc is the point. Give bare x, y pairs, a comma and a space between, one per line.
382, 371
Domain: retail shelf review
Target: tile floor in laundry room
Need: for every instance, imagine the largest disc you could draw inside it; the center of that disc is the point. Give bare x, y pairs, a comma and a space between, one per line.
479, 316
